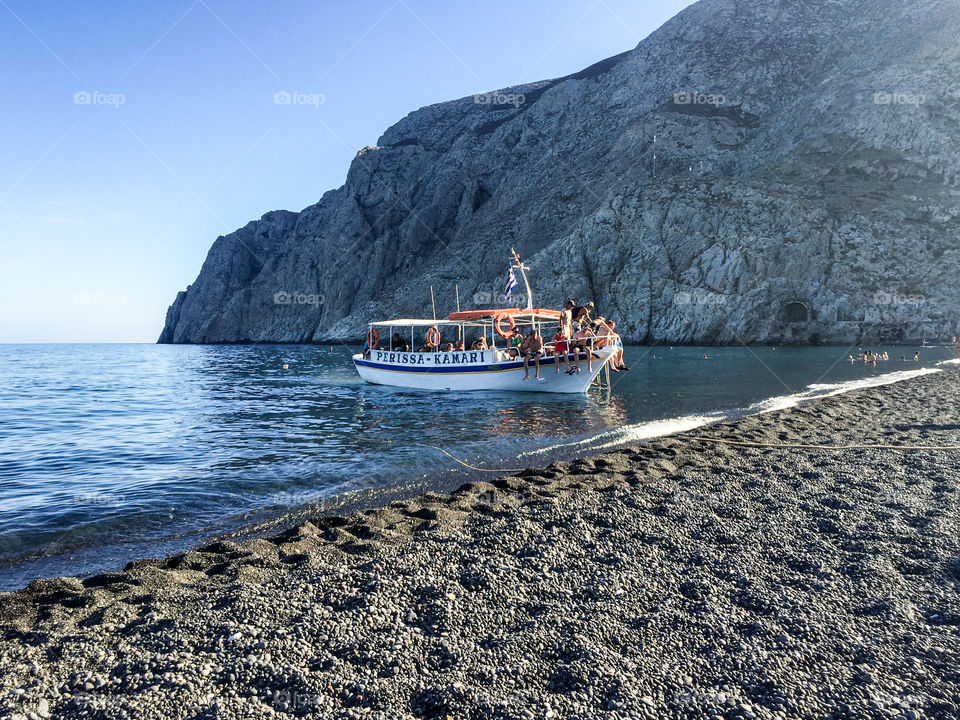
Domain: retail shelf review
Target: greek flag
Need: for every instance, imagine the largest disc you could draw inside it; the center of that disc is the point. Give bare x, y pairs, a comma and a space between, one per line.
511, 284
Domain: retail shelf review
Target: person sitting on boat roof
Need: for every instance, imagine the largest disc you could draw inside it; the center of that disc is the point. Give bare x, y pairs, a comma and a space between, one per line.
531, 347
581, 313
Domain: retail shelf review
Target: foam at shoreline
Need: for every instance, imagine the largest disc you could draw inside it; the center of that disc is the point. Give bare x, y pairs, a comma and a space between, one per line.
639, 432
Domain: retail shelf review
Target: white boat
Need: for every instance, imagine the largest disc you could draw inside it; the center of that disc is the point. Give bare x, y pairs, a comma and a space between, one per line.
494, 368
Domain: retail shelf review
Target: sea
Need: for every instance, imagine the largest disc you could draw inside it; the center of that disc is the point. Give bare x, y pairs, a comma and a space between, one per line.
110, 453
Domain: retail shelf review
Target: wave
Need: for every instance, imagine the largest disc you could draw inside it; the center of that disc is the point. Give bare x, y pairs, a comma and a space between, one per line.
627, 435
630, 434
830, 389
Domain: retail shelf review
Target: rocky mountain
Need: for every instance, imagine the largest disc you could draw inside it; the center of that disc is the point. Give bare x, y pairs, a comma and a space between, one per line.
753, 171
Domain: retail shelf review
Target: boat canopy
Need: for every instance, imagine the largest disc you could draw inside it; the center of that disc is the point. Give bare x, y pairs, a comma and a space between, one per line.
475, 316
538, 313
410, 322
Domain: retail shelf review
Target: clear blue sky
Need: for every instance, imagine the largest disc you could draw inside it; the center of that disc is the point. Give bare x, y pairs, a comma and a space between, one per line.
108, 207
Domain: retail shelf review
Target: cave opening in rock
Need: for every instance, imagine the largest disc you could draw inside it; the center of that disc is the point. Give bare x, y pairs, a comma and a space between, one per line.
795, 312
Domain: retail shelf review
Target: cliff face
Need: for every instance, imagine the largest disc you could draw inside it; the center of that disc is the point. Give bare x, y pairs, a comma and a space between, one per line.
754, 171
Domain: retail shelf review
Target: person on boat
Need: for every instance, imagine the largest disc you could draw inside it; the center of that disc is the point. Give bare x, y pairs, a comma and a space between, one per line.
514, 341
566, 319
531, 347
603, 336
583, 340
480, 344
447, 347
607, 335
433, 340
398, 344
560, 348
581, 313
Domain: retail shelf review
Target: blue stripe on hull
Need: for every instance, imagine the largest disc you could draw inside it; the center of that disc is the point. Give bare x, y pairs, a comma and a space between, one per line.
513, 365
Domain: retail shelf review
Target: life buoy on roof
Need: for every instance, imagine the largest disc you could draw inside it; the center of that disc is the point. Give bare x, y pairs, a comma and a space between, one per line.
373, 337
433, 336
499, 327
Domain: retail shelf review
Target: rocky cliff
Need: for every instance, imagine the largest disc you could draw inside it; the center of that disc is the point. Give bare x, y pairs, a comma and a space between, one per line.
754, 171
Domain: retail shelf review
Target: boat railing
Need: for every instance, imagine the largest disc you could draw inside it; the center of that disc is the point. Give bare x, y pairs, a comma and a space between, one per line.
549, 348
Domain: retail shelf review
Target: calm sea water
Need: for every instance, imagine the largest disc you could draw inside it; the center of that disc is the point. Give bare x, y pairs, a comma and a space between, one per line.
114, 452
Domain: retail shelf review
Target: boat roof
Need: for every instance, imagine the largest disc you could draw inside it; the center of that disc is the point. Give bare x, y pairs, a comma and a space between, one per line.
474, 317
539, 313
416, 322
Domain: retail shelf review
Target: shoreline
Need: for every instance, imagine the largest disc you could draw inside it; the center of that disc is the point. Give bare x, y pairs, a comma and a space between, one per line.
674, 577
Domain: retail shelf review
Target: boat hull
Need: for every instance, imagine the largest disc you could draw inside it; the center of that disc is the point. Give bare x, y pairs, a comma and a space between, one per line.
475, 370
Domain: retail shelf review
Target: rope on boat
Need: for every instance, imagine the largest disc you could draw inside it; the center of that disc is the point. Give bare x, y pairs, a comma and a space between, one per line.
805, 446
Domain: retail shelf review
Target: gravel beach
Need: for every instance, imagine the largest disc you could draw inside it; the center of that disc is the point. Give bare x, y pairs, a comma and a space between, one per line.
684, 578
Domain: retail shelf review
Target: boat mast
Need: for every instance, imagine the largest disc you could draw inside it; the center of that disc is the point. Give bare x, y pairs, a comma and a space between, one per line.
523, 271
523, 268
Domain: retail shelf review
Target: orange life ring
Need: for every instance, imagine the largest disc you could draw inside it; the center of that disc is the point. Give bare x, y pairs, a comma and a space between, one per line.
433, 336
373, 338
499, 327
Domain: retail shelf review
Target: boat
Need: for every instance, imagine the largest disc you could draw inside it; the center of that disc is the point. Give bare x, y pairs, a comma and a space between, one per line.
497, 367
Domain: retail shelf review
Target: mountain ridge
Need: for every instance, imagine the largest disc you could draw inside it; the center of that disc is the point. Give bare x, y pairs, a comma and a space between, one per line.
751, 172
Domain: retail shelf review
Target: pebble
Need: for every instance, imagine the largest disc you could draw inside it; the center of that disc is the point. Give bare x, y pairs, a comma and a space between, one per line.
759, 594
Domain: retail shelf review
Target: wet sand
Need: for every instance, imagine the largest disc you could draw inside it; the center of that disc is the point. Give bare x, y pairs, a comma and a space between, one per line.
683, 578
